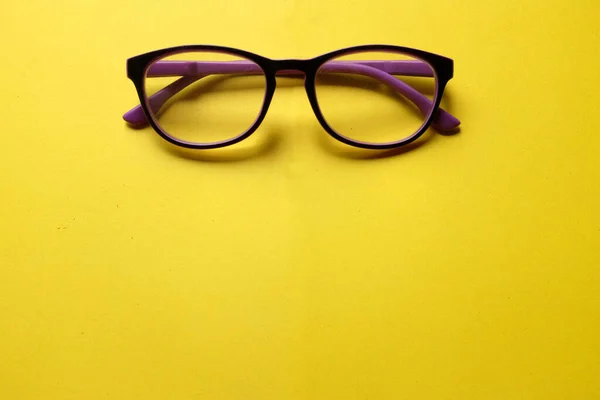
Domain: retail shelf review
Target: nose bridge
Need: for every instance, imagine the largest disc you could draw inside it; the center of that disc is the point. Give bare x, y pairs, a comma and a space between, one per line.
291, 65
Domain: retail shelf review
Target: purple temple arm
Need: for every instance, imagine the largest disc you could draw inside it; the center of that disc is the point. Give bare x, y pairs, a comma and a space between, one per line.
383, 71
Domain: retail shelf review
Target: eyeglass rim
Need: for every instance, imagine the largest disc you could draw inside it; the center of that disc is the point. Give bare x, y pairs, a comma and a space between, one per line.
443, 69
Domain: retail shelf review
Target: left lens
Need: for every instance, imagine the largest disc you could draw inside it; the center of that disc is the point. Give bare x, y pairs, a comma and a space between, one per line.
376, 98
204, 97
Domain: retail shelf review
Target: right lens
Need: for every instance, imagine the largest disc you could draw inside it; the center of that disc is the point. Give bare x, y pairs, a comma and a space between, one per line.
204, 97
376, 97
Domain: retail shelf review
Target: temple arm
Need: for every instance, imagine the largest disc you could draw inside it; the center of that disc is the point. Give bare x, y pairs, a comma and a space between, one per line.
383, 71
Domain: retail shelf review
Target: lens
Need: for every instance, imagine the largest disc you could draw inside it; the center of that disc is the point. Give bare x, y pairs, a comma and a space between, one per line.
376, 97
203, 97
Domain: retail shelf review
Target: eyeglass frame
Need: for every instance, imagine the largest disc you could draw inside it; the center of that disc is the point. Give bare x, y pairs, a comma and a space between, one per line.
443, 71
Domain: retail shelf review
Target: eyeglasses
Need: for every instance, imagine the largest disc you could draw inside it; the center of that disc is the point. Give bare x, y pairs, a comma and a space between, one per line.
372, 96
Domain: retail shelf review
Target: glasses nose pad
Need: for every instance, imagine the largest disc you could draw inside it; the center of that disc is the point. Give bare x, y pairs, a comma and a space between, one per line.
271, 86
311, 93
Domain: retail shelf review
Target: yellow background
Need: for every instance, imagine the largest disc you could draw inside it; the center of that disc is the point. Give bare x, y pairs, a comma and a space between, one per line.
291, 267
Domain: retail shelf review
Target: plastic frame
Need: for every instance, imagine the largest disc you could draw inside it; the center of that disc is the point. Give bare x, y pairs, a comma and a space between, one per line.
443, 69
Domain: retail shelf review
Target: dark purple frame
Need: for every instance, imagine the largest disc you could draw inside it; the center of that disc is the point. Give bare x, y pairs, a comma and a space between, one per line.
137, 68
